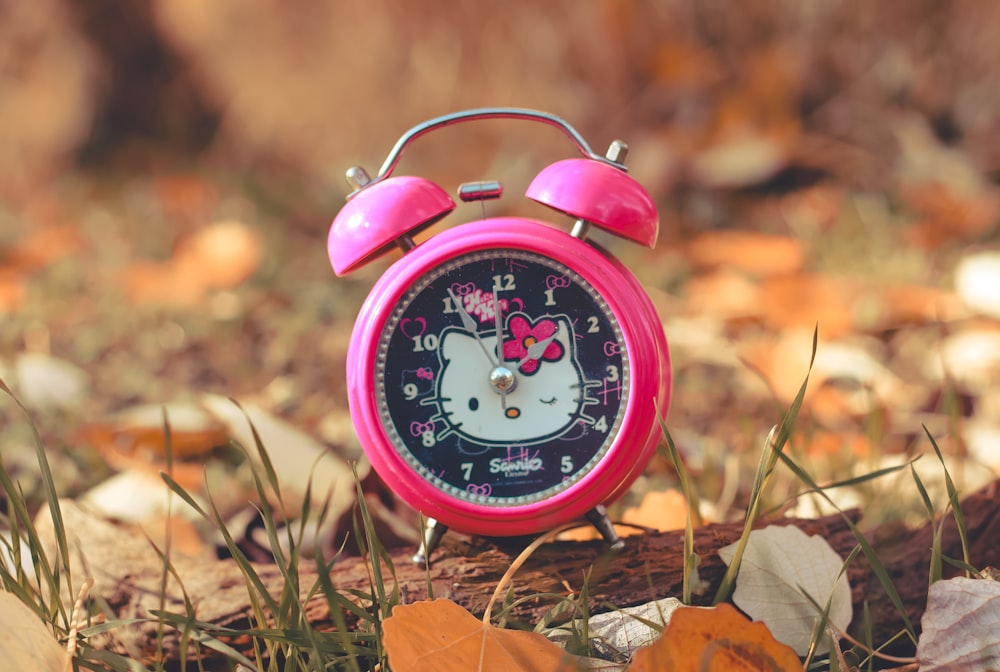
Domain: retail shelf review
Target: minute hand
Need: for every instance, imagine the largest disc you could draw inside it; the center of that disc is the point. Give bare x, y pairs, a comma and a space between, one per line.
469, 324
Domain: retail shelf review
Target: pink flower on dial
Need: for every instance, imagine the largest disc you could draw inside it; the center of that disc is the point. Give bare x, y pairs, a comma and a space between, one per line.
525, 334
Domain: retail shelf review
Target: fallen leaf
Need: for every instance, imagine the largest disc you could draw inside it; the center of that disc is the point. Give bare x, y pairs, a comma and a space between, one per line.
141, 497
847, 380
440, 635
977, 279
302, 458
805, 300
660, 510
7, 562
970, 358
758, 254
813, 208
982, 436
13, 290
898, 305
161, 283
837, 444
218, 256
755, 125
685, 65
951, 196
221, 255
45, 244
723, 293
959, 627
619, 633
25, 642
44, 382
781, 565
184, 196
139, 431
716, 639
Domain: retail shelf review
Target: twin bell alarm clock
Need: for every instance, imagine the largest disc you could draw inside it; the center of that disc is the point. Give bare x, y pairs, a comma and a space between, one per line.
505, 376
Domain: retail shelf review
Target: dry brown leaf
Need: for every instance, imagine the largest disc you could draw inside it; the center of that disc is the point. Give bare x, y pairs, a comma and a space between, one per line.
45, 244
755, 126
847, 381
686, 66
133, 442
716, 639
759, 254
43, 381
804, 300
221, 255
783, 574
439, 635
660, 510
218, 256
977, 279
948, 212
305, 464
906, 304
161, 283
959, 627
184, 196
25, 643
723, 293
950, 194
184, 535
814, 208
13, 290
838, 445
137, 433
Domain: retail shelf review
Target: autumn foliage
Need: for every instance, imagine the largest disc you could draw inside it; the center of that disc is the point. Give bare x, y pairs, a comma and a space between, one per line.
169, 169
442, 636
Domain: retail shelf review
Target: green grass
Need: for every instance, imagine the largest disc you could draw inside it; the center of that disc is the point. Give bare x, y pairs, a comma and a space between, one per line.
282, 638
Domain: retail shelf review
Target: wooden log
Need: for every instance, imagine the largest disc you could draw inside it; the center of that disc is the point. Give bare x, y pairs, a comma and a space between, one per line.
130, 575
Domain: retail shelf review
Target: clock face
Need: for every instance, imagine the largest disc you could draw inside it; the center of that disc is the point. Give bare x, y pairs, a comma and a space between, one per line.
501, 377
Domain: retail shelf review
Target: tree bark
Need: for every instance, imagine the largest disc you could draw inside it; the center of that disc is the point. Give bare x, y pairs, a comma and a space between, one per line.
130, 576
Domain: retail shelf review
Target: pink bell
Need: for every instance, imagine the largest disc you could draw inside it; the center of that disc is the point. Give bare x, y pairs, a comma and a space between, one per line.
601, 194
381, 215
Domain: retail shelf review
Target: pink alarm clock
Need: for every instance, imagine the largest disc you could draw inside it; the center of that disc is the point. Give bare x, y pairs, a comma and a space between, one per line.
505, 376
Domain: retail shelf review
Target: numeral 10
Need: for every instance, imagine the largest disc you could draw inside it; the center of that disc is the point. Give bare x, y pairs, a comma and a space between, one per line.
425, 343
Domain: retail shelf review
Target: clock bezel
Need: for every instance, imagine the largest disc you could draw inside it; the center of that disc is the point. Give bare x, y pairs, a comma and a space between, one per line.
648, 394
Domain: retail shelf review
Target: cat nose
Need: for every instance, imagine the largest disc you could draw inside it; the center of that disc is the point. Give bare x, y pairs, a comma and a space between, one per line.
512, 412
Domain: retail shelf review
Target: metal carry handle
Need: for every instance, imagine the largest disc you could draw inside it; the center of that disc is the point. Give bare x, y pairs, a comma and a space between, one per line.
486, 113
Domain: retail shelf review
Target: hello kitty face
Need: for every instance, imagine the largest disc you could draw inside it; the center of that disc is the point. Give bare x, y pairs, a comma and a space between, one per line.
546, 402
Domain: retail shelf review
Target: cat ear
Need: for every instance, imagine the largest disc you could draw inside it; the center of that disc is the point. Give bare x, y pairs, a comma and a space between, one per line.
564, 331
455, 344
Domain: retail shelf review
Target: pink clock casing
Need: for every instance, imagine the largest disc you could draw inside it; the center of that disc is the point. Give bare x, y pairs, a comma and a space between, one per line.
642, 332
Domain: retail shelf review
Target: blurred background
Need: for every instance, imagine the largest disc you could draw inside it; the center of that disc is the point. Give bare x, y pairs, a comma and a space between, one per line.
169, 170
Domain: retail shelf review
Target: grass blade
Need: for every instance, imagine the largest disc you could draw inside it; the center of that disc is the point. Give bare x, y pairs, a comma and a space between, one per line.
691, 559
773, 449
953, 500
873, 560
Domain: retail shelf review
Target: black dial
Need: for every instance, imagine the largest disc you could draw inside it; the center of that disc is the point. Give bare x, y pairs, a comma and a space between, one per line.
501, 377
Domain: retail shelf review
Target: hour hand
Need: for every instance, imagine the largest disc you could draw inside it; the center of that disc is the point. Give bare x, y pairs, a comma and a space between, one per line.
469, 324
535, 350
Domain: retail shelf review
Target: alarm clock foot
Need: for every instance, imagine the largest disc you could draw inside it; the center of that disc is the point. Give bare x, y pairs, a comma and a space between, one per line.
433, 533
598, 517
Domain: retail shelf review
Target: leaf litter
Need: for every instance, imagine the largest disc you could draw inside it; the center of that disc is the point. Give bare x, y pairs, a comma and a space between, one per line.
789, 202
